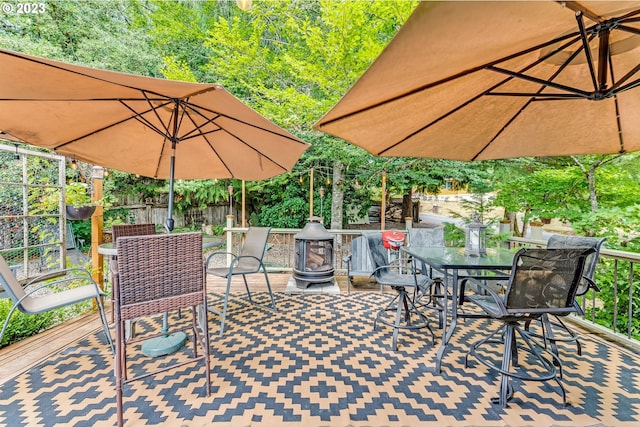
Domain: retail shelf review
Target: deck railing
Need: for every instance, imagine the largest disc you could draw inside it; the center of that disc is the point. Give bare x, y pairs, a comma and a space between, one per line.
615, 275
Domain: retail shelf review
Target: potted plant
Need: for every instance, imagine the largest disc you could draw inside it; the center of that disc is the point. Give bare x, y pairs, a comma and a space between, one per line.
78, 201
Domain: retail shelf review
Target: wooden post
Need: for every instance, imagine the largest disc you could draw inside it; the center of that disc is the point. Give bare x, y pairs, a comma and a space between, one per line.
311, 193
383, 204
97, 224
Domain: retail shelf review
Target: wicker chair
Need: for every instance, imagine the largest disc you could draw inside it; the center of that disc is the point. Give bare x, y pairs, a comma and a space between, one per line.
126, 230
248, 261
402, 305
49, 291
542, 281
158, 274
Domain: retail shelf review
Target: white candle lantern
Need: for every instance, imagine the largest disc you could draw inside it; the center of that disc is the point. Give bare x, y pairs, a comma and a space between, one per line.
476, 238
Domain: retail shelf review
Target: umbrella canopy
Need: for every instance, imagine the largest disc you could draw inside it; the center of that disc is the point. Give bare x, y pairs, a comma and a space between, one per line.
134, 123
487, 80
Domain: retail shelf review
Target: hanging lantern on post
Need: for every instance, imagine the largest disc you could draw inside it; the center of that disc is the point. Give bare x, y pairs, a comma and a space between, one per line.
476, 238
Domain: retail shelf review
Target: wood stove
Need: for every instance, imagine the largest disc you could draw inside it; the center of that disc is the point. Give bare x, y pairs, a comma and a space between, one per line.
313, 255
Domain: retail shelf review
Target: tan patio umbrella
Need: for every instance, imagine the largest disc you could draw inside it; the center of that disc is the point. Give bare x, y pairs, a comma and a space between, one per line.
486, 80
152, 127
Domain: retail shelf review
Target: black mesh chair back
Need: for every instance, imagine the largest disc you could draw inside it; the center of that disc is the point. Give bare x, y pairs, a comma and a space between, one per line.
545, 280
555, 330
558, 241
378, 255
431, 237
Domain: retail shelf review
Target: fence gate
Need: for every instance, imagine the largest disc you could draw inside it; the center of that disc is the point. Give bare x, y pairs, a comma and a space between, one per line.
32, 216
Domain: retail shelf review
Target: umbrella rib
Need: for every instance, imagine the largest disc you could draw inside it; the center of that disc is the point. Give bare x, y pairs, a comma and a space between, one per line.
450, 78
512, 75
587, 50
565, 88
520, 74
629, 29
629, 86
212, 120
617, 107
139, 116
534, 97
235, 119
198, 130
135, 117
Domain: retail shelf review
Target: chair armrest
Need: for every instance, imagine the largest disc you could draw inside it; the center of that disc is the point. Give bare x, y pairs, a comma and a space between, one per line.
216, 253
62, 276
55, 274
590, 285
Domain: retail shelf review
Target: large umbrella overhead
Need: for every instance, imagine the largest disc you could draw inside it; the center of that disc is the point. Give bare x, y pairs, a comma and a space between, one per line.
148, 126
486, 80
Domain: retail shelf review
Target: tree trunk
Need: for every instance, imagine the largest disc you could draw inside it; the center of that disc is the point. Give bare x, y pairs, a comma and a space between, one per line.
337, 199
593, 196
590, 174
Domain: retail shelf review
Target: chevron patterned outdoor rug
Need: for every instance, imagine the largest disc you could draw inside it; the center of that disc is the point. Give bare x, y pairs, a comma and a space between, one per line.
318, 362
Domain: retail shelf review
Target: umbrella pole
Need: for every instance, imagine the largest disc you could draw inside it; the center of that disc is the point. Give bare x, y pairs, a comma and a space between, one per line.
167, 343
172, 165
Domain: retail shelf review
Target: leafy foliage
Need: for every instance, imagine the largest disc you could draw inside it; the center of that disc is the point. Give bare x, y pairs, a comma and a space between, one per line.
23, 325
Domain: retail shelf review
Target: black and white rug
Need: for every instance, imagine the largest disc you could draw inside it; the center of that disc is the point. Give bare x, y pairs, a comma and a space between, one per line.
318, 362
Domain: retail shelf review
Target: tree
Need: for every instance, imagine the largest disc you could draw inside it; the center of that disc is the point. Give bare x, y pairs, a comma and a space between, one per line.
292, 60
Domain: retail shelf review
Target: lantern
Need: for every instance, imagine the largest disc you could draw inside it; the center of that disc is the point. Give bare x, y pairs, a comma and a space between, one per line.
476, 238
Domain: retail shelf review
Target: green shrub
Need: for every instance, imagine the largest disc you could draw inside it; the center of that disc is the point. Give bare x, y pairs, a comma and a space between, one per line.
24, 325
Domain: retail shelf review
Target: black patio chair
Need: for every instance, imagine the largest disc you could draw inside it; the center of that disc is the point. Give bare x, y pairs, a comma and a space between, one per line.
358, 262
402, 305
542, 281
553, 324
430, 295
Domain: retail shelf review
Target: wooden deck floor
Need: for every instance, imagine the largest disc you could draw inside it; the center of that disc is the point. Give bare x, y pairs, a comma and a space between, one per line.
21, 356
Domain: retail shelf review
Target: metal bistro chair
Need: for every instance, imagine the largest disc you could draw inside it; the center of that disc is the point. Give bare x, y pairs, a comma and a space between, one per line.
542, 281
158, 274
432, 293
558, 241
248, 261
49, 291
403, 303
